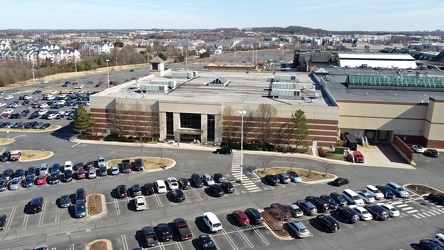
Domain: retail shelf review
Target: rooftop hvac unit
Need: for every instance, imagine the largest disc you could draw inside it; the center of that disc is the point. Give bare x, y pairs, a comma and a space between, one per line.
184, 74
285, 85
154, 88
286, 93
170, 83
285, 78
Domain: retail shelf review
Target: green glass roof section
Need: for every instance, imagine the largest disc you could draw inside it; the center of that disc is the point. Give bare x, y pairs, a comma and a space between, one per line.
429, 83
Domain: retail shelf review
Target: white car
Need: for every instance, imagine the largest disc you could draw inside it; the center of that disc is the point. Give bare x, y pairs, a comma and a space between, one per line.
68, 165
374, 191
50, 97
417, 149
52, 116
140, 203
44, 105
208, 179
160, 186
439, 239
8, 111
363, 213
393, 212
114, 170
172, 183
54, 92
9, 97
295, 210
2, 104
367, 197
61, 102
80, 86
92, 173
42, 111
46, 81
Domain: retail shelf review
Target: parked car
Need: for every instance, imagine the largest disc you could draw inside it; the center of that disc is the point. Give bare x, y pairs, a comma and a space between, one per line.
172, 183
307, 207
329, 224
149, 189
439, 239
321, 205
160, 186
366, 197
271, 180
138, 164
295, 210
219, 178
429, 245
254, 216
3, 220
294, 176
331, 201
362, 212
417, 149
398, 190
80, 209
178, 195
437, 197
121, 191
340, 181
196, 180
44, 169
227, 187
149, 236
217, 190
241, 218
40, 180
136, 190
298, 229
81, 194
126, 166
92, 173
374, 191
53, 179
15, 183
36, 205
3, 184
67, 176
391, 210
80, 173
431, 153
64, 201
378, 212
182, 229
184, 183
212, 222
208, 179
29, 181
388, 194
114, 170
223, 150
350, 215
283, 178
140, 203
164, 232
206, 242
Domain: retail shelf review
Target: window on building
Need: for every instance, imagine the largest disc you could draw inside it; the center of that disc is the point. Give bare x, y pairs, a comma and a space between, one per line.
188, 120
169, 125
211, 124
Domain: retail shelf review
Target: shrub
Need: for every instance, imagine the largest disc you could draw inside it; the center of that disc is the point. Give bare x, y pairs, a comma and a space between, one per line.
276, 225
321, 152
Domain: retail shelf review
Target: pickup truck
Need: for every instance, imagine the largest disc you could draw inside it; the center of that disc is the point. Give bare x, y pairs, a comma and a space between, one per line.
181, 226
355, 156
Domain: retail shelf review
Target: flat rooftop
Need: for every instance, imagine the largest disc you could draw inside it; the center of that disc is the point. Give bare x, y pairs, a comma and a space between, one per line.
243, 87
338, 89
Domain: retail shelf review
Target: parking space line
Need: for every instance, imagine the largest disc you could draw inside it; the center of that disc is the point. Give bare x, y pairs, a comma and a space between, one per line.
158, 200
363, 223
412, 211
199, 198
124, 242
241, 233
236, 192
224, 233
42, 215
25, 221
57, 217
282, 185
217, 247
116, 204
161, 246
11, 217
260, 235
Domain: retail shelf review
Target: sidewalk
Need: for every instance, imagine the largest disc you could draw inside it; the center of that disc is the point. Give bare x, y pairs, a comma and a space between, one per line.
211, 148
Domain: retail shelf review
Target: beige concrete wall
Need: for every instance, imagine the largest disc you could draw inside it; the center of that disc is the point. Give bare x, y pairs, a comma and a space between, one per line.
407, 119
434, 126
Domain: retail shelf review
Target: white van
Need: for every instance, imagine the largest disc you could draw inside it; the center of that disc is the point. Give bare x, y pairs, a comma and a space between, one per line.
352, 197
374, 191
212, 222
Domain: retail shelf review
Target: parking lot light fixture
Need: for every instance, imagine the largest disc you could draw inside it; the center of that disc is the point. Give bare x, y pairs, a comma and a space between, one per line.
107, 71
242, 113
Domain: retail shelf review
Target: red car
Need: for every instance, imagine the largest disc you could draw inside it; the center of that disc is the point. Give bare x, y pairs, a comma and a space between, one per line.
81, 174
40, 180
241, 218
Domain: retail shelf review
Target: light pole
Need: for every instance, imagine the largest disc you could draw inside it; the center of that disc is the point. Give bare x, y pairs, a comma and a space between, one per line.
107, 72
33, 77
116, 61
242, 113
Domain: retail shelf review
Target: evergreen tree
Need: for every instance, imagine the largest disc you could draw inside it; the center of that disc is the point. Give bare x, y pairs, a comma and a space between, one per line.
301, 128
82, 121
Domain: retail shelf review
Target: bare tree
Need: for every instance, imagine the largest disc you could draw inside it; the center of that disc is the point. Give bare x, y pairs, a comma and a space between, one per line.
265, 114
30, 145
137, 118
116, 118
228, 127
264, 160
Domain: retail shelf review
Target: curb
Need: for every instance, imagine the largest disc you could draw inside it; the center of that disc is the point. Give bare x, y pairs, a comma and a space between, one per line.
104, 209
12, 140
109, 245
275, 234
305, 182
51, 154
414, 191
18, 130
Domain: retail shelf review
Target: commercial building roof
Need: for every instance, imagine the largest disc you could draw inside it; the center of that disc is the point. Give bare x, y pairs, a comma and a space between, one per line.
381, 56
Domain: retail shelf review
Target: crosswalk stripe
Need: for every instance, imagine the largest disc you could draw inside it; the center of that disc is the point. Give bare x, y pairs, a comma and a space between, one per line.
396, 203
423, 216
412, 211
416, 216
407, 208
426, 214
402, 205
432, 212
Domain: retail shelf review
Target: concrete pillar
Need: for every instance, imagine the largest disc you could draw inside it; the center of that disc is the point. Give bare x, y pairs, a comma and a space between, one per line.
176, 126
162, 125
204, 127
218, 128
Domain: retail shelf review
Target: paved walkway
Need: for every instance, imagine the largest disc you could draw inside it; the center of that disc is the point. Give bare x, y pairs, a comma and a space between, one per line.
374, 157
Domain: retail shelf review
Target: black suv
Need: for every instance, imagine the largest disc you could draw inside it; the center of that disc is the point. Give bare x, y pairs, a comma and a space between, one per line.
36, 205
329, 224
223, 150
5, 156
437, 197
271, 180
321, 204
378, 212
196, 180
81, 194
339, 198
388, 194
350, 215
138, 164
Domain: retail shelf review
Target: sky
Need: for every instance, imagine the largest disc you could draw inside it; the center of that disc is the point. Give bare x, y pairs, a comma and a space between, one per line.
336, 15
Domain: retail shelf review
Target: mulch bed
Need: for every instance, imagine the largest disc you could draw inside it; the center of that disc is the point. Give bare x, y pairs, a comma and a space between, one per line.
422, 189
99, 245
276, 225
95, 206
